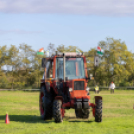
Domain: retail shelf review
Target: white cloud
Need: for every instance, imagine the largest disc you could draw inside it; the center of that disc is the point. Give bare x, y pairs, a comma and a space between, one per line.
86, 7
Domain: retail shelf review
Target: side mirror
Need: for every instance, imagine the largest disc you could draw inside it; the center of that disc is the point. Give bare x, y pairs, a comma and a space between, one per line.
44, 61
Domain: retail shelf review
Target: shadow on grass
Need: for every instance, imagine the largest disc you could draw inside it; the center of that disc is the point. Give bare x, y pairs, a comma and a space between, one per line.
37, 119
25, 118
81, 121
74, 119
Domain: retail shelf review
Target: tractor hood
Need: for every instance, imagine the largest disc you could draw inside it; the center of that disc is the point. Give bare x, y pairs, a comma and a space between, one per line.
79, 94
77, 88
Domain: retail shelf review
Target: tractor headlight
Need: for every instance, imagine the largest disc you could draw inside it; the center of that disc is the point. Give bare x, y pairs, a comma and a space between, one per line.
70, 89
87, 89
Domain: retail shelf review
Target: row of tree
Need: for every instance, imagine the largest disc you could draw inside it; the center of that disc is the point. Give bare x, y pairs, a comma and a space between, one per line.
20, 67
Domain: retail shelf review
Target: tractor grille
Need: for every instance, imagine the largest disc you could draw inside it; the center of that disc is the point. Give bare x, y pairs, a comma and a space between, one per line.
78, 85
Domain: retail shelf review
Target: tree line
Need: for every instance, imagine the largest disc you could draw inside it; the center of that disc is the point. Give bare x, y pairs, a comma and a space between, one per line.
20, 67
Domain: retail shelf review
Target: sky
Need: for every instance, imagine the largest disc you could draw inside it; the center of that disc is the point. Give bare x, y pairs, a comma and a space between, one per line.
81, 23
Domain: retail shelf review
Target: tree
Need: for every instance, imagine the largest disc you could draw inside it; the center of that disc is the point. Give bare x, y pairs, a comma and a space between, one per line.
117, 60
3, 56
3, 59
26, 55
38, 70
51, 48
13, 62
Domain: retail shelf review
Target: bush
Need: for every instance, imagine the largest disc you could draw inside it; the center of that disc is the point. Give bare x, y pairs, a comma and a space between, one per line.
3, 82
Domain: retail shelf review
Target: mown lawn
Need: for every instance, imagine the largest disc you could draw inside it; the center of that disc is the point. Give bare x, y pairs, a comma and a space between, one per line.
23, 110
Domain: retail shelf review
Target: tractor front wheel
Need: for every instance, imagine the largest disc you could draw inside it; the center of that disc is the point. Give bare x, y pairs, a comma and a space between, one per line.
82, 113
85, 113
58, 112
98, 111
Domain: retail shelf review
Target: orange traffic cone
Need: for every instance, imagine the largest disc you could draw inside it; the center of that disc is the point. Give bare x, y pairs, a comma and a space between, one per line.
7, 121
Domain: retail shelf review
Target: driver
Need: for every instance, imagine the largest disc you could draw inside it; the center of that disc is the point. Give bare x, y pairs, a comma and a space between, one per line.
60, 70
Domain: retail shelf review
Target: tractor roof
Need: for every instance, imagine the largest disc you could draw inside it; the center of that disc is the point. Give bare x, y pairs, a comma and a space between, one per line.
68, 54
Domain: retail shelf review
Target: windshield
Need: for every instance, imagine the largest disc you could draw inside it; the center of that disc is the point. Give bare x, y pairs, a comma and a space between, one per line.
74, 68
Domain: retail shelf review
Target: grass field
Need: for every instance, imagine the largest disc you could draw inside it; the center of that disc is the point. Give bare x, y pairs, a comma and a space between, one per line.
23, 110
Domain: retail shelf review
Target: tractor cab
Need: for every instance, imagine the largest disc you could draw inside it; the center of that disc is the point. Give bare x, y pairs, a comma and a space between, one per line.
74, 68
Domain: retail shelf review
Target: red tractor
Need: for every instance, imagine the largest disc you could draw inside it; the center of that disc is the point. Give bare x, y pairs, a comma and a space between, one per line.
64, 86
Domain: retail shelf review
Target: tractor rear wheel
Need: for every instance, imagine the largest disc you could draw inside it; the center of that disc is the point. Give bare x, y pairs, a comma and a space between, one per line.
45, 104
57, 111
98, 111
82, 113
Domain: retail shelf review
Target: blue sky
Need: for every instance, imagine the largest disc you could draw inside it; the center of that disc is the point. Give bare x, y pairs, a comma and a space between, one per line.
81, 23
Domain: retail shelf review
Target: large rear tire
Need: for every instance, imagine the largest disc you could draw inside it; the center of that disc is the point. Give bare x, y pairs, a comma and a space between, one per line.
98, 111
57, 111
45, 104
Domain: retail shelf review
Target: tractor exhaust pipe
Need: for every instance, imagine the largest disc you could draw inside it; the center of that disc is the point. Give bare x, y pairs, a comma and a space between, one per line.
64, 72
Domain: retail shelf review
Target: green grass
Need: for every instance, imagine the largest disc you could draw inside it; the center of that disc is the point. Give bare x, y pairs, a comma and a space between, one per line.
23, 111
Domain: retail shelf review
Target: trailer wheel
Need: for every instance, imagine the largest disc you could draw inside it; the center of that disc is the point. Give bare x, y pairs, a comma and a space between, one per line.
45, 104
98, 111
82, 113
57, 111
